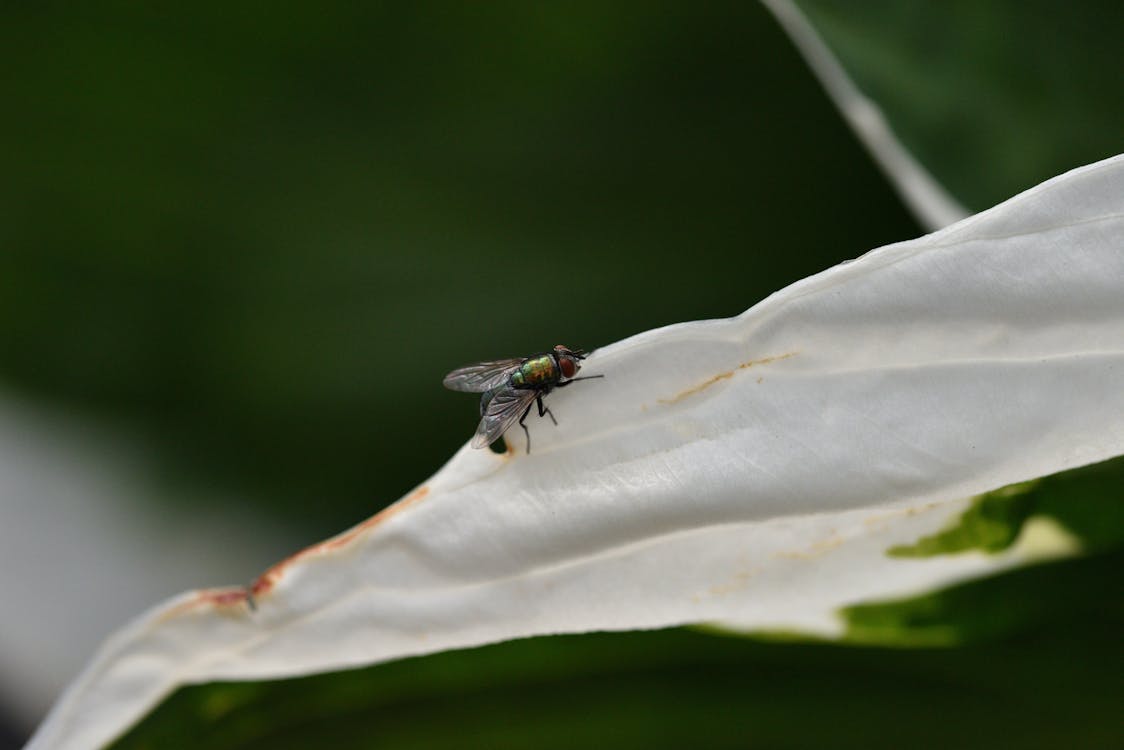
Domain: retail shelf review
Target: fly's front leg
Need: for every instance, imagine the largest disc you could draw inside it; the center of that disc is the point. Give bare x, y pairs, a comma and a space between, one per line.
574, 380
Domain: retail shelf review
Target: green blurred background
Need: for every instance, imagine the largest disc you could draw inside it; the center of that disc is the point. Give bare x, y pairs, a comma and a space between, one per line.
253, 238
261, 237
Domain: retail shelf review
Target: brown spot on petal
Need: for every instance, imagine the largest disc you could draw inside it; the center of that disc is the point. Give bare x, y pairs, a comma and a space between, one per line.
724, 376
226, 597
881, 521
223, 598
269, 578
817, 549
737, 582
698, 388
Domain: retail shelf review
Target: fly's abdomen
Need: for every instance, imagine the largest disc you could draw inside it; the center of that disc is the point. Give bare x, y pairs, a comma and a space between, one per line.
536, 372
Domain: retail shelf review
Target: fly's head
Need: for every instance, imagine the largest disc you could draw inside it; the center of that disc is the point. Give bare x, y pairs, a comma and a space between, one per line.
569, 360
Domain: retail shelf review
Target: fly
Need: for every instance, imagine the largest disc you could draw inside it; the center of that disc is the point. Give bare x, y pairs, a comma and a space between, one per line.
510, 387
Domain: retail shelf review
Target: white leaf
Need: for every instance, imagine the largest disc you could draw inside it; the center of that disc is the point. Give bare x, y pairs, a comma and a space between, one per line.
752, 470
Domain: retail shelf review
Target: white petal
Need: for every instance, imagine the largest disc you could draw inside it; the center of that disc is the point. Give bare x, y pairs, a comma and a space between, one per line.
752, 470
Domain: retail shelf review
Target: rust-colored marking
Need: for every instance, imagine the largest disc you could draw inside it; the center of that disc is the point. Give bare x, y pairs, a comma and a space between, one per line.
738, 582
269, 578
247, 597
225, 597
211, 598
881, 521
701, 387
724, 376
817, 549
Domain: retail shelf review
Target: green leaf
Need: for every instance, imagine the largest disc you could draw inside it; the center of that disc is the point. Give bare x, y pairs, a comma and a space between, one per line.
992, 523
981, 610
1086, 501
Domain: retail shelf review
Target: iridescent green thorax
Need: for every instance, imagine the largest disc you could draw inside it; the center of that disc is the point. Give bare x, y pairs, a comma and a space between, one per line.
536, 371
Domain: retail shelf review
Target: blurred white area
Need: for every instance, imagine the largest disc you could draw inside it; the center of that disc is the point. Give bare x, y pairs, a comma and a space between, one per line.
85, 546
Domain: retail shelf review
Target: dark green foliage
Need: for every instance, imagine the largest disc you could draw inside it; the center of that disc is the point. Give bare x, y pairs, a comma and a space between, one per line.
992, 97
1086, 502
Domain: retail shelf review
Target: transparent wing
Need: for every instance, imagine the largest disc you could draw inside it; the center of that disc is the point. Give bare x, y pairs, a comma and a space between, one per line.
482, 376
506, 406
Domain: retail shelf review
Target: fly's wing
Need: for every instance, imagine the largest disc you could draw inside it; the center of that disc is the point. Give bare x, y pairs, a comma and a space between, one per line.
482, 376
506, 406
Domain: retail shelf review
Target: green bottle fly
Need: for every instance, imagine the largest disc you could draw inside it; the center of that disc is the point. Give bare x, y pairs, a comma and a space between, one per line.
510, 387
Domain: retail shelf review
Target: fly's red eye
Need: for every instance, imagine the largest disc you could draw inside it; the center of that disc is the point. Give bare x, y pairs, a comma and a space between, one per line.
569, 367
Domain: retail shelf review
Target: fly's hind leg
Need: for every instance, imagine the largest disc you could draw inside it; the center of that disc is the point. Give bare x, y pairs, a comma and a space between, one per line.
523, 424
545, 410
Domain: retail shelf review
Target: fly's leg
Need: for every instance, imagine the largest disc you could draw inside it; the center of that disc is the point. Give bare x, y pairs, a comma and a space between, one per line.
523, 424
545, 410
574, 380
